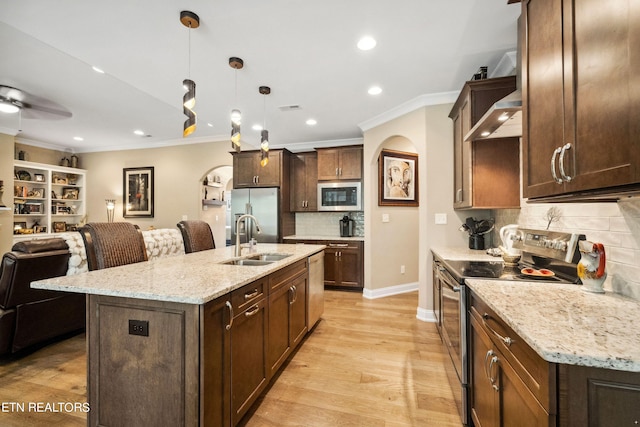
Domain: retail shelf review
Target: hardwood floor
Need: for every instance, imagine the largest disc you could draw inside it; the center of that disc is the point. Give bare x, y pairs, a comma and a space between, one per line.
367, 363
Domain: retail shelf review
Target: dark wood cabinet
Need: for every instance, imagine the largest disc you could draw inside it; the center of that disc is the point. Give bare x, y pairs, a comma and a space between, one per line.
510, 383
479, 165
339, 163
598, 397
249, 374
344, 264
248, 173
580, 108
304, 182
287, 313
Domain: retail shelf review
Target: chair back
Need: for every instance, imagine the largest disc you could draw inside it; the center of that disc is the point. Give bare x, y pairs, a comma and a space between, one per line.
110, 244
197, 236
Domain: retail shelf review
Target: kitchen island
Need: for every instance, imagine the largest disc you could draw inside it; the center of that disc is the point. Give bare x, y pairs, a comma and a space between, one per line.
191, 339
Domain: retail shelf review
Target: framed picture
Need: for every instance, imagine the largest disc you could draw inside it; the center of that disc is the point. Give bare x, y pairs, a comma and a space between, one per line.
59, 227
60, 179
137, 192
63, 210
397, 178
72, 227
19, 227
37, 193
38, 177
34, 208
39, 229
70, 193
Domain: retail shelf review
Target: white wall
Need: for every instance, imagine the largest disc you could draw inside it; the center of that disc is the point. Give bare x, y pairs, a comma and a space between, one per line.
6, 175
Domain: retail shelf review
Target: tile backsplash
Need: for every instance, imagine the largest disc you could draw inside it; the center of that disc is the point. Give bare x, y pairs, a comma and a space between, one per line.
615, 225
326, 223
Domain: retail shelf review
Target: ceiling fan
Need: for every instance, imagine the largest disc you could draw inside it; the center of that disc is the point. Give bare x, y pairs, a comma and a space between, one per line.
30, 106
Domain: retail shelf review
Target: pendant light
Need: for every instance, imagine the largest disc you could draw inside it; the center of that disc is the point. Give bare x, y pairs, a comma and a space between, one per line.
264, 134
236, 116
191, 21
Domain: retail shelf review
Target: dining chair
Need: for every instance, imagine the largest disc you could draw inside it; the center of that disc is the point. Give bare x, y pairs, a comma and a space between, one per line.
110, 244
197, 236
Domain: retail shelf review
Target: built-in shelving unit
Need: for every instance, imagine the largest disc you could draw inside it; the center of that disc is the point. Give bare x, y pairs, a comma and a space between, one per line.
212, 194
47, 199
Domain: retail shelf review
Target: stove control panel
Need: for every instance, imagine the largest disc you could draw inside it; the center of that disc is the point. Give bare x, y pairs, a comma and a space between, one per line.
551, 244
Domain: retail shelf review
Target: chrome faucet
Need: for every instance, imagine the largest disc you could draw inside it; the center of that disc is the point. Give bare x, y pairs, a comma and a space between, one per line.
238, 250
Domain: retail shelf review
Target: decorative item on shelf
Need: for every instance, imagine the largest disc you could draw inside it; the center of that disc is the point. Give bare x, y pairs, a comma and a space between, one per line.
264, 133
2, 205
38, 177
111, 207
74, 161
592, 266
191, 21
72, 179
236, 116
65, 162
21, 155
481, 74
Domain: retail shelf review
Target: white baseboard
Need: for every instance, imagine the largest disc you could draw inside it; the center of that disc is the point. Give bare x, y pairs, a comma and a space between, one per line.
426, 315
391, 290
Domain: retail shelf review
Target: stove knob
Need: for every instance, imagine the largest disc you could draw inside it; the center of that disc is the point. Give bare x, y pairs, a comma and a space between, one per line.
561, 245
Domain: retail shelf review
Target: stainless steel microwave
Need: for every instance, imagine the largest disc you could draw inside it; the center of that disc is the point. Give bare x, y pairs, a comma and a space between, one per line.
339, 196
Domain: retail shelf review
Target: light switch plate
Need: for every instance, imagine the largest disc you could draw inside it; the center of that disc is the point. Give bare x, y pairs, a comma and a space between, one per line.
385, 217
441, 218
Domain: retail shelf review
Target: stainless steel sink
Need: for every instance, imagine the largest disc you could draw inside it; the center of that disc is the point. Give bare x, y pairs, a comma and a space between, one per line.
269, 257
248, 262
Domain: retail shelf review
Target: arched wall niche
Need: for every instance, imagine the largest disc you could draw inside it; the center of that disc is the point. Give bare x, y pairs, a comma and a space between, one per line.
217, 216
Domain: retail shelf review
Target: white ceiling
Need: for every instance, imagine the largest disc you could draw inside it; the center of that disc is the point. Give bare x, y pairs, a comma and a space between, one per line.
305, 50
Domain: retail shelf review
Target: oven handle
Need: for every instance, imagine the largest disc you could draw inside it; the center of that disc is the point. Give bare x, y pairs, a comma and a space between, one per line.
448, 279
507, 340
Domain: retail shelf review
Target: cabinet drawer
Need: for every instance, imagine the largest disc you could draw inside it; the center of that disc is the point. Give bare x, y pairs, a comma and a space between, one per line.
538, 374
282, 277
248, 294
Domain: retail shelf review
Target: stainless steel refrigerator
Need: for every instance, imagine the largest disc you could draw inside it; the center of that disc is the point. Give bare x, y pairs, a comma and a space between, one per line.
261, 203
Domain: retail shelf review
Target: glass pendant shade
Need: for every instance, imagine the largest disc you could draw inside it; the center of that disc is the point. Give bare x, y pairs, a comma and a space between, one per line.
236, 118
8, 107
188, 102
264, 147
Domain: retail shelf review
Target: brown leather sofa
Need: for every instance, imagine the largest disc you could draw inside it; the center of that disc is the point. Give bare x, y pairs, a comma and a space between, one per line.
33, 316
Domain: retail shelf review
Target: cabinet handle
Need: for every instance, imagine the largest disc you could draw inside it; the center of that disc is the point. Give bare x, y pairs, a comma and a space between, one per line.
486, 364
553, 165
251, 295
252, 312
293, 291
340, 171
508, 341
563, 151
459, 195
230, 307
494, 361
338, 245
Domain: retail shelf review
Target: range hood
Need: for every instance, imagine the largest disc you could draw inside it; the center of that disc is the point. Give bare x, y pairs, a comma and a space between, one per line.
502, 120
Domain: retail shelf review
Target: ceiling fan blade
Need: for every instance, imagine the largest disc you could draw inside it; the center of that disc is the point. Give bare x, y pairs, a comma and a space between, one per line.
31, 111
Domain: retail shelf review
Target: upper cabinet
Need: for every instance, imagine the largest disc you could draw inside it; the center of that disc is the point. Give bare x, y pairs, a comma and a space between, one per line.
479, 165
304, 182
581, 99
339, 163
247, 171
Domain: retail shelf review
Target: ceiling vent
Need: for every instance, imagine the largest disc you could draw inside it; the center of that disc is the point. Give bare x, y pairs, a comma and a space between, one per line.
290, 107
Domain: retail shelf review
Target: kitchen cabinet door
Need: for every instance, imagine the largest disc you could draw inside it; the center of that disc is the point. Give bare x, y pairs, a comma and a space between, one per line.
344, 264
339, 163
304, 182
216, 364
248, 358
298, 309
580, 97
248, 173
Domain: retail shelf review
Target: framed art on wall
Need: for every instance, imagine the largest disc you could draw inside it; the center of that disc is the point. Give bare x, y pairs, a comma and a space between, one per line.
397, 178
137, 192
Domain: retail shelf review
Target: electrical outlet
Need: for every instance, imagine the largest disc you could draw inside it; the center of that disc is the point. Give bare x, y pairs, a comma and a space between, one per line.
402, 269
185, 217
139, 327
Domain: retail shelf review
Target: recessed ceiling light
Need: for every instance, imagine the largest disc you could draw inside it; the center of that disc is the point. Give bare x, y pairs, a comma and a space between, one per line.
366, 43
97, 70
139, 132
312, 122
78, 138
210, 125
257, 127
375, 90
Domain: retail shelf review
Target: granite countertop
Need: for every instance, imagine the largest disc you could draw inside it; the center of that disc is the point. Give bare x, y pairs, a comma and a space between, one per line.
324, 238
564, 324
462, 253
194, 278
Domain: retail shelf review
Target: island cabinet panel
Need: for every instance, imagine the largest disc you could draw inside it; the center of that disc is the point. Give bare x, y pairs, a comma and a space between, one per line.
215, 359
598, 397
287, 313
156, 371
